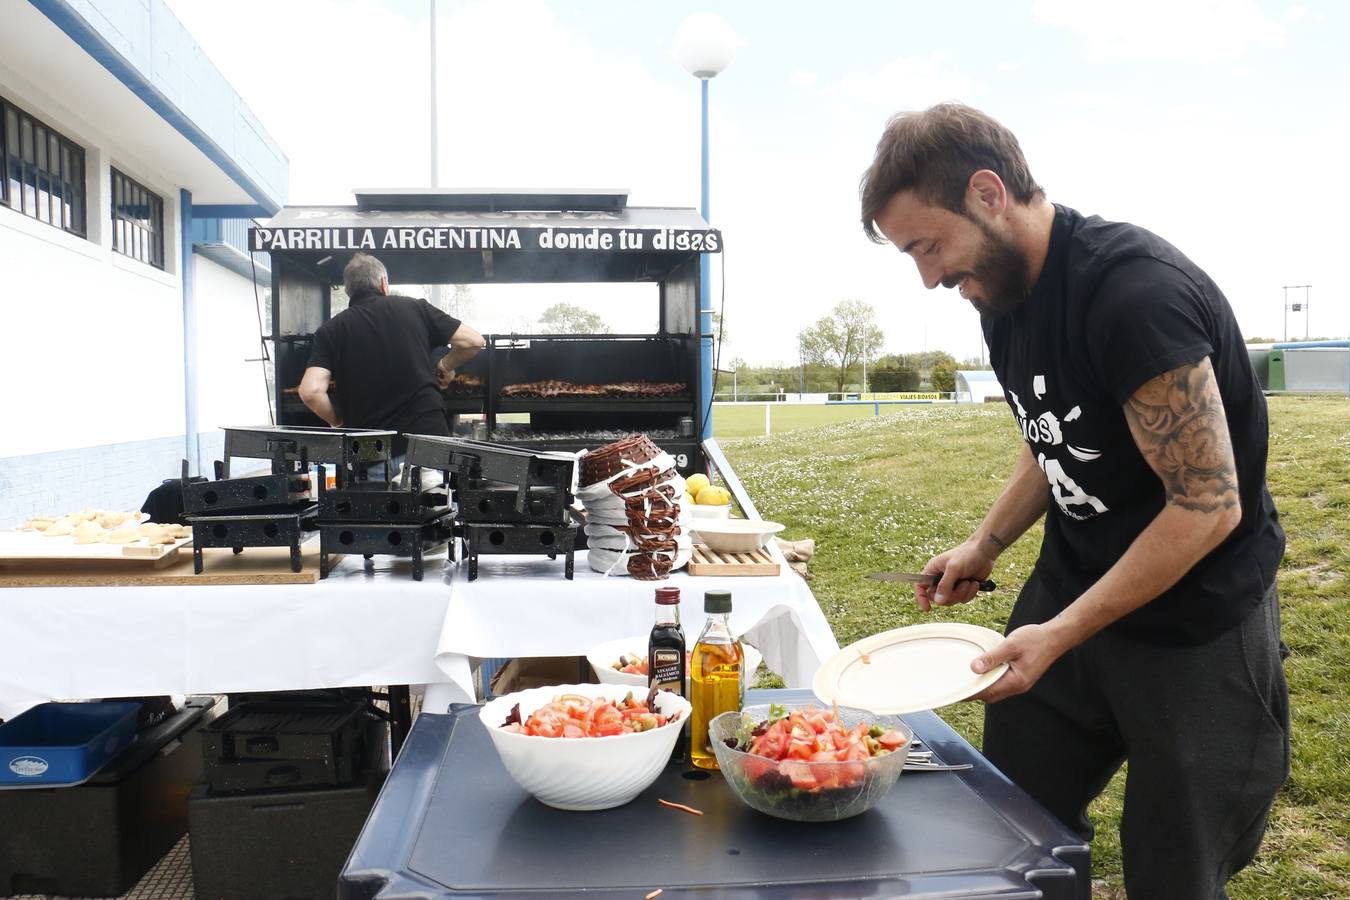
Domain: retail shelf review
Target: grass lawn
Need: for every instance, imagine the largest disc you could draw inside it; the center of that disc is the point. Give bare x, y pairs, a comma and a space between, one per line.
890, 492
748, 420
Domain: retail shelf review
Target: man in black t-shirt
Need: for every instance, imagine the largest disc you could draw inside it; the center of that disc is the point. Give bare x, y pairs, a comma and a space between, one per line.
380, 352
1149, 628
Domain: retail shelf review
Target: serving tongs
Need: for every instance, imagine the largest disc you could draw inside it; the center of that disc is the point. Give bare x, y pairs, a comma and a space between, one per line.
922, 761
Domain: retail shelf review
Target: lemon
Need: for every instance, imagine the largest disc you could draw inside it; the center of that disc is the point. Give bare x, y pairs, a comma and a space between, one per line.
687, 501
697, 482
713, 496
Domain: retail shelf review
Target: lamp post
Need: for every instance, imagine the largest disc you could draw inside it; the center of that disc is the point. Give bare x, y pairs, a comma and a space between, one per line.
704, 47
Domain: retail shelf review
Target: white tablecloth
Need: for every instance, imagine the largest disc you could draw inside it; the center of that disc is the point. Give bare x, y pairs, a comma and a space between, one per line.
360, 627
352, 629
522, 606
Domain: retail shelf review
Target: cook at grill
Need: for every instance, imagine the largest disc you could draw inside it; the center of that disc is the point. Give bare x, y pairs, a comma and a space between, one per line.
379, 353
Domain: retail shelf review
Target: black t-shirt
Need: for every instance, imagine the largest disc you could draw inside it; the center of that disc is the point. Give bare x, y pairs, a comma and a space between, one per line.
1115, 306
379, 350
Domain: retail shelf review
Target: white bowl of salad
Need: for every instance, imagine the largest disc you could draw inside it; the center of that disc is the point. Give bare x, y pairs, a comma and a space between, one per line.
624, 661
584, 746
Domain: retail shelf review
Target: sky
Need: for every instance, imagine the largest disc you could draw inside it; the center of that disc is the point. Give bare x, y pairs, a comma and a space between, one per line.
1221, 125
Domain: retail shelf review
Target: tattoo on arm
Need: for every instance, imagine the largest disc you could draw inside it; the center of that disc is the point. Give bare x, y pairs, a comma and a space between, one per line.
1178, 421
997, 541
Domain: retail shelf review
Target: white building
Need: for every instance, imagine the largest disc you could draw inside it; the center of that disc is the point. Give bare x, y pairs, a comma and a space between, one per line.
128, 169
977, 386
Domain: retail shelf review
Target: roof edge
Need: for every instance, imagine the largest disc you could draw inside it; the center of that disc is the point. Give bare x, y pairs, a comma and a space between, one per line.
88, 38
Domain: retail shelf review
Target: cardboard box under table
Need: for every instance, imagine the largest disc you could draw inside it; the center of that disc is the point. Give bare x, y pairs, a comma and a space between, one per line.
450, 822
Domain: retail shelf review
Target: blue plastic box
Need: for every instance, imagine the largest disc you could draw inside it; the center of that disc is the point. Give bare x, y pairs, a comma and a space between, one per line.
56, 744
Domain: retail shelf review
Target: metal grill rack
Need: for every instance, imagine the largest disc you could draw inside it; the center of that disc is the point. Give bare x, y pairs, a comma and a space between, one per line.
275, 509
384, 518
509, 500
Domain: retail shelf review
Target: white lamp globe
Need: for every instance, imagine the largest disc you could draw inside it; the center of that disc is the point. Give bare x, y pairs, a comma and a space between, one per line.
705, 44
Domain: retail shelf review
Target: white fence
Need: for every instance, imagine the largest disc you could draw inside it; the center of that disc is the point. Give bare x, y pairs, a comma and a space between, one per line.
772, 403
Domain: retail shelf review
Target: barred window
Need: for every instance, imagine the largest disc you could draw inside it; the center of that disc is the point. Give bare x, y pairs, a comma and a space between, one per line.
41, 171
138, 221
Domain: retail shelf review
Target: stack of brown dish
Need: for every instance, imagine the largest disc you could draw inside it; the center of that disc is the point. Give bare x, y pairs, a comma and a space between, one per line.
634, 523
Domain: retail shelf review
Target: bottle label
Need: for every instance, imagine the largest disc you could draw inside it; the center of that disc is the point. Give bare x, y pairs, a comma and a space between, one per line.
665, 669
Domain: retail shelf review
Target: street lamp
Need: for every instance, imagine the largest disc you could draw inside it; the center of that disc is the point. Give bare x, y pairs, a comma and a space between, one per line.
1296, 307
704, 46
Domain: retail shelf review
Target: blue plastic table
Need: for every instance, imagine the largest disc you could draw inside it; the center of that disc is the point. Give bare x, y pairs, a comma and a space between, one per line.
451, 823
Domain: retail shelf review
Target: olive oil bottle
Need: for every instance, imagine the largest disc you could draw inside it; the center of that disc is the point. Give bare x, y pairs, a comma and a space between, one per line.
717, 676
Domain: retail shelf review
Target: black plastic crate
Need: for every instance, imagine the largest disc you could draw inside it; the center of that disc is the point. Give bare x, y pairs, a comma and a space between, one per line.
266, 745
286, 845
99, 838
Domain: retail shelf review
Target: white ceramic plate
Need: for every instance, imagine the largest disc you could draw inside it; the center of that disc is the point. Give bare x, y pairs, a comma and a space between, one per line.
909, 669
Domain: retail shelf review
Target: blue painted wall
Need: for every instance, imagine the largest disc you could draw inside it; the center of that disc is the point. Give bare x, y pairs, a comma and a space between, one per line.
144, 45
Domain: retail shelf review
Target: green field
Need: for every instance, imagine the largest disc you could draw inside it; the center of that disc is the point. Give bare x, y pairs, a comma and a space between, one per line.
890, 492
747, 420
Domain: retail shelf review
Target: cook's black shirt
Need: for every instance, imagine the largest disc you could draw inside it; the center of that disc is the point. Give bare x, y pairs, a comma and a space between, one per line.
1114, 307
379, 351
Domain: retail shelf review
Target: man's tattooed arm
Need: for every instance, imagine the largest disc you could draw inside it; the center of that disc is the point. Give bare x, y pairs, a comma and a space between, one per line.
1179, 425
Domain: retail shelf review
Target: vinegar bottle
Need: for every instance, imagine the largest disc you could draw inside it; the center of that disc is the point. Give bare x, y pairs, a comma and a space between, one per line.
665, 647
717, 676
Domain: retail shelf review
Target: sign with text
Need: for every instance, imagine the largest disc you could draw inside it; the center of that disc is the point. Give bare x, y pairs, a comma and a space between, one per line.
452, 237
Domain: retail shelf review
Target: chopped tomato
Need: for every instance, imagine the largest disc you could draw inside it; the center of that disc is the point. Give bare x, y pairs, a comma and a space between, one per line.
891, 739
813, 750
577, 716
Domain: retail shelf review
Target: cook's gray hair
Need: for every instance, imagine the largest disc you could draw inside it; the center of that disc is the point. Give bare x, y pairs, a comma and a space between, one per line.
363, 275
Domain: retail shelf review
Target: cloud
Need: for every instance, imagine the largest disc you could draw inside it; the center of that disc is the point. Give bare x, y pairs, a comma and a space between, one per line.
802, 78
907, 82
1197, 31
343, 86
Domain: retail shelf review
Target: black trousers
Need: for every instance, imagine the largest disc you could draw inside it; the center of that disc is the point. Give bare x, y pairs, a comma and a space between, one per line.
1205, 730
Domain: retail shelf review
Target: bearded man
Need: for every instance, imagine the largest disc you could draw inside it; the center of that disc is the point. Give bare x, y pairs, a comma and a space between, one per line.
1149, 628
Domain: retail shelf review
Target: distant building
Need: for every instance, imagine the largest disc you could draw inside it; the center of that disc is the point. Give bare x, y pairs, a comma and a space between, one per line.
976, 386
131, 329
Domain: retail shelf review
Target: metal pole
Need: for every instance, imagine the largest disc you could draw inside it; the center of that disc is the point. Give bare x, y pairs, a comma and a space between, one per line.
1307, 309
705, 281
435, 126
1286, 313
437, 290
185, 279
864, 343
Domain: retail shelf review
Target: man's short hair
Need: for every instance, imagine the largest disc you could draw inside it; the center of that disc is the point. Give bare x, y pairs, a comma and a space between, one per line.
363, 275
934, 153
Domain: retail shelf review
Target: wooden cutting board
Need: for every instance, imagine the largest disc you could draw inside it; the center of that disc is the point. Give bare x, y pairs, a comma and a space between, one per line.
31, 546
707, 562
256, 565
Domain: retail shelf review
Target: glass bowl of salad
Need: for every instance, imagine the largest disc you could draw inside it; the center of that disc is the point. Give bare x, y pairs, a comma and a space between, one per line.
585, 746
807, 763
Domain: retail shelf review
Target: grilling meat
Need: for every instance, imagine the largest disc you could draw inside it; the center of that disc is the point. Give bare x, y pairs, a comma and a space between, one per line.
624, 389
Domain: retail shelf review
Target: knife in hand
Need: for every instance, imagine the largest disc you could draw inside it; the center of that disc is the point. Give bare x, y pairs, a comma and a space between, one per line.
920, 578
